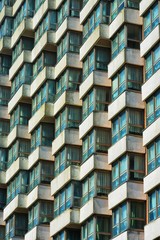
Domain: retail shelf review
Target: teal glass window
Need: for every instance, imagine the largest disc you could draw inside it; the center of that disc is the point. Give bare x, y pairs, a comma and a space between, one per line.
5, 64
18, 185
96, 184
4, 127
73, 234
153, 108
2, 198
5, 93
153, 155
97, 140
66, 157
3, 158
6, 27
154, 205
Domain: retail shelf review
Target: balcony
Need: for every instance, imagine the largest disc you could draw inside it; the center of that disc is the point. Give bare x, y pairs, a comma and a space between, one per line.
20, 164
98, 78
46, 73
126, 144
40, 192
151, 132
22, 95
128, 190
25, 56
4, 112
2, 223
126, 99
87, 9
130, 235
40, 232
100, 34
145, 5
68, 60
95, 162
19, 131
95, 119
44, 114
70, 23
5, 12
127, 55
3, 142
24, 26
67, 98
127, 15
69, 219
4, 81
95, 206
46, 42
17, 204
41, 152
69, 174
47, 5
152, 230
68, 136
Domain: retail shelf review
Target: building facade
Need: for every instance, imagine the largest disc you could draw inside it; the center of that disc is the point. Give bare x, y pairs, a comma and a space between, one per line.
79, 120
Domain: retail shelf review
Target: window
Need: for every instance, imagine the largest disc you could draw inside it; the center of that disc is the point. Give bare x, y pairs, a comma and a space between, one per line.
128, 36
66, 157
40, 213
151, 19
70, 43
69, 117
38, 3
96, 184
97, 59
6, 27
42, 136
128, 78
16, 225
99, 15
2, 232
152, 62
69, 80
128, 167
5, 64
127, 122
8, 3
4, 95
46, 59
154, 205
20, 115
20, 148
47, 24
153, 108
68, 197
24, 76
4, 127
25, 11
129, 215
3, 158
97, 140
18, 185
153, 155
68, 8
42, 173
45, 94
73, 234
96, 227
97, 99
23, 44
2, 198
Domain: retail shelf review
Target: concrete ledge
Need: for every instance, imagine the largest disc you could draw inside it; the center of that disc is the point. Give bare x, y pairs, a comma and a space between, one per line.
70, 173
151, 132
152, 230
94, 206
68, 136
126, 99
152, 180
128, 190
19, 131
96, 78
128, 143
69, 218
145, 5
130, 235
4, 112
95, 119
87, 9
95, 162
40, 232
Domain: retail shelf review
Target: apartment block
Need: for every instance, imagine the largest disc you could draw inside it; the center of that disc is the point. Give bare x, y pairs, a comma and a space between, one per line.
79, 120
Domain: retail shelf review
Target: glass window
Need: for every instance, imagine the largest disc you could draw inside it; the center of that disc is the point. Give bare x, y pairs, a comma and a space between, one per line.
154, 205
152, 62
153, 155
97, 140
153, 108
5, 64
4, 127
96, 184
127, 122
128, 167
6, 27
151, 19
68, 197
